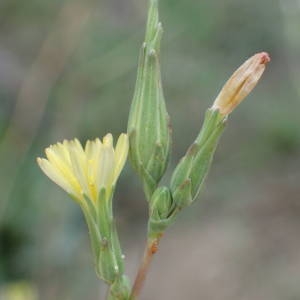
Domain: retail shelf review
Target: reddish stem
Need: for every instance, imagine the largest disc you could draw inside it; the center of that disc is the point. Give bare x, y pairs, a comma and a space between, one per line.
150, 249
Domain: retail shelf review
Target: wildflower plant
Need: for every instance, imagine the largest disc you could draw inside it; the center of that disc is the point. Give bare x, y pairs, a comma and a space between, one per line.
89, 175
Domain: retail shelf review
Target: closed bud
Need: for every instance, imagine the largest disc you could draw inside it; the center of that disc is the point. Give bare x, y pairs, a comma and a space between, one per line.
192, 169
148, 125
119, 289
241, 83
161, 209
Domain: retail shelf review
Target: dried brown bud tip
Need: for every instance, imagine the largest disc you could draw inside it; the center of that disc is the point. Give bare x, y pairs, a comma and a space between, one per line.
241, 83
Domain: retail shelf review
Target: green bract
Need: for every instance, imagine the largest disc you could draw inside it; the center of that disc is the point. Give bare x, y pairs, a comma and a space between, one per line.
105, 244
187, 177
192, 169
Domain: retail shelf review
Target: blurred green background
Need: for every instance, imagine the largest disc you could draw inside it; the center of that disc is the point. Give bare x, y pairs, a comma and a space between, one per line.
67, 69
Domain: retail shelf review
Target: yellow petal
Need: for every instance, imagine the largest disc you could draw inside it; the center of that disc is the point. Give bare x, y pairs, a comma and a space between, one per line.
108, 140
79, 165
106, 167
85, 171
121, 153
93, 151
57, 177
61, 165
61, 151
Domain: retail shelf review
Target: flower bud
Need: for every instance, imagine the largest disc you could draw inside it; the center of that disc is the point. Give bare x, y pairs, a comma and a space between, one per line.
148, 125
119, 289
192, 169
241, 83
161, 208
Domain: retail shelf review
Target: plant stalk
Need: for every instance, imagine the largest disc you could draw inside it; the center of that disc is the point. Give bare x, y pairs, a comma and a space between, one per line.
150, 249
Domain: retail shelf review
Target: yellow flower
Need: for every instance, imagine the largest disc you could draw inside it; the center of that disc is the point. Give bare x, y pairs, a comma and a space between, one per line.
85, 171
241, 83
20, 290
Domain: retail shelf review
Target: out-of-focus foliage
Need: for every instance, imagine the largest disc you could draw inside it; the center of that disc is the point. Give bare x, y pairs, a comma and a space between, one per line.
67, 68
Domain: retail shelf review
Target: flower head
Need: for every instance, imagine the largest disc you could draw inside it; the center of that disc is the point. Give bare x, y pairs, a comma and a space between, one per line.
85, 171
241, 83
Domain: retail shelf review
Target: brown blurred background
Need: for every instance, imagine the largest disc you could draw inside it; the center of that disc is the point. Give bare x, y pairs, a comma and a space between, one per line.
67, 69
